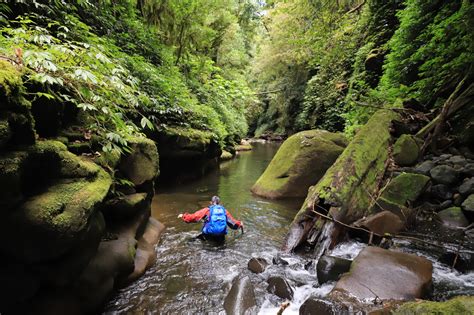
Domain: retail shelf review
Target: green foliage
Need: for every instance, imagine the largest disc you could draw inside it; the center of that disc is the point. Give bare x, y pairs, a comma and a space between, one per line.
431, 51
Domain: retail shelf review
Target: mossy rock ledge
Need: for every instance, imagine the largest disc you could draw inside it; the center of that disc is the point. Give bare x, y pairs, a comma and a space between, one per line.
55, 195
299, 163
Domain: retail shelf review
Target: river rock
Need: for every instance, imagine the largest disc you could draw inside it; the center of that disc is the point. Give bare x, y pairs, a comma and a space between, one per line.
277, 260
331, 268
468, 207
467, 187
406, 150
457, 305
299, 163
381, 223
441, 191
257, 265
241, 297
280, 287
141, 164
402, 190
425, 167
445, 174
319, 306
468, 169
387, 275
453, 217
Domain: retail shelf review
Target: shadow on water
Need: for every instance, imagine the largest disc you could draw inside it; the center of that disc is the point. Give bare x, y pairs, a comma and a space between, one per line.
192, 276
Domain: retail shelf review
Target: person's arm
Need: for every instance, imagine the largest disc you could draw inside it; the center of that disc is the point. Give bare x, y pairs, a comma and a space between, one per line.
233, 223
196, 216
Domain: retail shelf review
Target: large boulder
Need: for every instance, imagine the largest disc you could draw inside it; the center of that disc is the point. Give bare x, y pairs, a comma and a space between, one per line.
241, 297
387, 275
299, 163
142, 164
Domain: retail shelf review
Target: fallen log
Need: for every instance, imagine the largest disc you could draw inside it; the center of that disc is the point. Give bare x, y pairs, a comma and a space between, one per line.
346, 192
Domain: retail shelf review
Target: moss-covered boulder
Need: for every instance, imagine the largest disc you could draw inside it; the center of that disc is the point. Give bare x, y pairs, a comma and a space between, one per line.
186, 143
347, 187
299, 163
406, 150
400, 192
457, 305
55, 195
387, 275
142, 163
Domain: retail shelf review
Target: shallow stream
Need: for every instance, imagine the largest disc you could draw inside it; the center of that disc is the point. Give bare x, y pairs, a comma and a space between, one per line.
193, 277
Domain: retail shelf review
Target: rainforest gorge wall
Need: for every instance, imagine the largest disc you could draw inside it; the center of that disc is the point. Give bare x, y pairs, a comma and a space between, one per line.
103, 100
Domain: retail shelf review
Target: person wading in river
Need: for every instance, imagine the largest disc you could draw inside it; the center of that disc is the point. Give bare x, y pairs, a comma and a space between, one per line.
216, 219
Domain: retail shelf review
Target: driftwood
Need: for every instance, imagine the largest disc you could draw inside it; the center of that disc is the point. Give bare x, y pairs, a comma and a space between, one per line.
345, 191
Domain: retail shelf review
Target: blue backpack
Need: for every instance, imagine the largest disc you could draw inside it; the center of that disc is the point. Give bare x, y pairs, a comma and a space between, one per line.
217, 221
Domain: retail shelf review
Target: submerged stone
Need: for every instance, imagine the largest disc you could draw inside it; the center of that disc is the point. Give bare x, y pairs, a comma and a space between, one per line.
299, 163
257, 265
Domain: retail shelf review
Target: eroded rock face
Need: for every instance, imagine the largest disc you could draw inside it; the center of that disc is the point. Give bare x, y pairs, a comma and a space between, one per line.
241, 297
49, 220
386, 275
299, 163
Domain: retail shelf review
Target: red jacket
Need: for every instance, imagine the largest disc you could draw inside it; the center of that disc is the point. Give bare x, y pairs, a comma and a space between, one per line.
204, 213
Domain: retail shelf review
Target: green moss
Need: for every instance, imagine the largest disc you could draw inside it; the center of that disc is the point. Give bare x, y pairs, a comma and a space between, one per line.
457, 305
405, 188
10, 81
300, 162
142, 163
188, 136
406, 150
357, 173
5, 133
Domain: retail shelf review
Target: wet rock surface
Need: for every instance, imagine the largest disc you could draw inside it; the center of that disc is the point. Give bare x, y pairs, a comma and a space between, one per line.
280, 287
257, 265
241, 297
387, 275
331, 268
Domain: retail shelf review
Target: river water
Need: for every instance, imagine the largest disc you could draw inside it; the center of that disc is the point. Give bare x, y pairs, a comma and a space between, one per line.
193, 277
